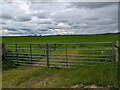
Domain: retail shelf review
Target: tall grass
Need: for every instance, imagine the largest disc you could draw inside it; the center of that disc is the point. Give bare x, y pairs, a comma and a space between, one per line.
34, 77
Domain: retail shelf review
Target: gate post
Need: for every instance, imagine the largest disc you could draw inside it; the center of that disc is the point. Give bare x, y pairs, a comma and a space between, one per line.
118, 51
3, 51
47, 55
118, 59
16, 52
112, 50
66, 57
31, 53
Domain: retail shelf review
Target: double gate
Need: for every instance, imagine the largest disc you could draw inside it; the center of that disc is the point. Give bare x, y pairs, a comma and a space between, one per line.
63, 55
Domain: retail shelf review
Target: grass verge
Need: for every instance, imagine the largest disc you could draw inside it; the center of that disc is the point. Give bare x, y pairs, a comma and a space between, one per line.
104, 74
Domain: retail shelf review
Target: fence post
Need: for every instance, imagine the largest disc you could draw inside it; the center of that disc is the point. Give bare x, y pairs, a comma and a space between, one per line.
112, 50
47, 55
16, 52
31, 53
117, 51
3, 51
66, 57
54, 47
39, 46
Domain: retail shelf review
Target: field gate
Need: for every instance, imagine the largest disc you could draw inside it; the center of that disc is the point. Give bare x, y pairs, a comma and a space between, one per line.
61, 55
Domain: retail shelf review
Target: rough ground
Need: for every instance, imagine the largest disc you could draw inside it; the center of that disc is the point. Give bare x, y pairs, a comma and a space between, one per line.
92, 87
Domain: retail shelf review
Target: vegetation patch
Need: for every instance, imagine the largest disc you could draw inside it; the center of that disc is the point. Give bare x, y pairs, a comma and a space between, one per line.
41, 77
98, 75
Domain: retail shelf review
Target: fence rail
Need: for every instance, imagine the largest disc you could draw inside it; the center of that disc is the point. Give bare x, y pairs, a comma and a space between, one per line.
60, 54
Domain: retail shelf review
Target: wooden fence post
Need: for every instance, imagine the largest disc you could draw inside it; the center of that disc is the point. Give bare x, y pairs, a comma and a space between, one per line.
118, 51
47, 55
112, 50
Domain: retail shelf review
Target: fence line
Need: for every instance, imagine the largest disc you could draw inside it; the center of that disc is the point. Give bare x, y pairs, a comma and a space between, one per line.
61, 54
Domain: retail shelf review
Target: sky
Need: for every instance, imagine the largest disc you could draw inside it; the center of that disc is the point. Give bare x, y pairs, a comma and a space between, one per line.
25, 17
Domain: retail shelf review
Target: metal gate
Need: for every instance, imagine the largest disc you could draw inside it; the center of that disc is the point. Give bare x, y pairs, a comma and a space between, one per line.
63, 55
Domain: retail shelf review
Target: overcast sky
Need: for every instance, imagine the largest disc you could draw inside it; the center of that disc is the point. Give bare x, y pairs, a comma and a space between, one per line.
52, 18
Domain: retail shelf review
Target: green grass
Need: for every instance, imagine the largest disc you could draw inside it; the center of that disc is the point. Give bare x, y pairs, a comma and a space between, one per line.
35, 77
41, 77
59, 39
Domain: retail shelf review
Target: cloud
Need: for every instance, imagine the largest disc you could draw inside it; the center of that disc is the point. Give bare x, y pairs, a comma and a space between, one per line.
16, 10
41, 14
39, 21
86, 18
91, 4
27, 18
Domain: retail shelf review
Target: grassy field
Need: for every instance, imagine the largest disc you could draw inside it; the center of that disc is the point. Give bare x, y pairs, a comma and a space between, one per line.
61, 39
104, 74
